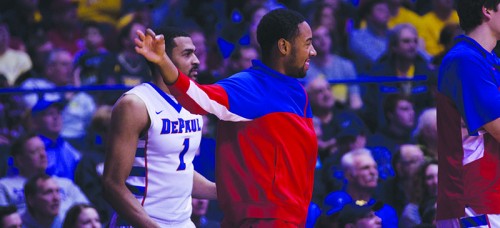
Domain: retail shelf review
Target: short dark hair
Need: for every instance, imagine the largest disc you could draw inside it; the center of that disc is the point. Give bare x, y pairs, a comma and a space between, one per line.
277, 24
391, 102
6, 211
31, 188
470, 12
17, 147
73, 213
170, 33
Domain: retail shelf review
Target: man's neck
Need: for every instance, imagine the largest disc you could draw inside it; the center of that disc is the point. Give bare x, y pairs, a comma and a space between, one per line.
403, 65
325, 116
358, 194
484, 36
45, 221
158, 81
378, 30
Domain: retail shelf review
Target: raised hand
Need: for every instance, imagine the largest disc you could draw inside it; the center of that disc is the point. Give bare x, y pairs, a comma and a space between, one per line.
150, 45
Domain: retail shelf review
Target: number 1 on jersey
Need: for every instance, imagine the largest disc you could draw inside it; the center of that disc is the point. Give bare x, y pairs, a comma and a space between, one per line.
182, 165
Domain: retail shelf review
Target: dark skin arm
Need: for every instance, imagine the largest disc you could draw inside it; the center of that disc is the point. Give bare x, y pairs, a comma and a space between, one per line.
128, 120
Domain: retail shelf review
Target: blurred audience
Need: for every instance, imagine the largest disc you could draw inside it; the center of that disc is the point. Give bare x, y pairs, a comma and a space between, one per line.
89, 171
333, 67
425, 133
361, 173
433, 22
396, 191
62, 157
13, 63
82, 216
424, 190
30, 158
198, 216
399, 115
43, 200
366, 45
403, 61
9, 217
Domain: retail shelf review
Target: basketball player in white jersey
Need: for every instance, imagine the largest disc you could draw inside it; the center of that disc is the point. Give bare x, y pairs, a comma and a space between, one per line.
148, 175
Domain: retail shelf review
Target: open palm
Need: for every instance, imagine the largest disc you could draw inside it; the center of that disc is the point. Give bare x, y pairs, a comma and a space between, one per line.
150, 45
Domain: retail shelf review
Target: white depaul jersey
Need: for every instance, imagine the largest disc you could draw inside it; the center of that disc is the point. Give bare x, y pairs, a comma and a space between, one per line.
162, 173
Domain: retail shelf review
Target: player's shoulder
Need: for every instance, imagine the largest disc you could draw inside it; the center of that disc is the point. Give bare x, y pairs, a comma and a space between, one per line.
463, 55
128, 102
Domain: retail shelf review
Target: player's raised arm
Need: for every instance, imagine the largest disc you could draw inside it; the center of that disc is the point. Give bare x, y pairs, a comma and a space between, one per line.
152, 47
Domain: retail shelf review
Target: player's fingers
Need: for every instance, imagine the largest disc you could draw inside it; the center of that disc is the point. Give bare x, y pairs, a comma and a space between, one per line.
160, 37
138, 42
150, 32
140, 34
138, 50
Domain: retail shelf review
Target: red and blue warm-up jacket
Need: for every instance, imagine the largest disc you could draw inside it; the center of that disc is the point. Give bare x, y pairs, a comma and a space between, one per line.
266, 144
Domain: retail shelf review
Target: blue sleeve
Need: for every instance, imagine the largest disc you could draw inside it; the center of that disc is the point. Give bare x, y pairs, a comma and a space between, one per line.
476, 94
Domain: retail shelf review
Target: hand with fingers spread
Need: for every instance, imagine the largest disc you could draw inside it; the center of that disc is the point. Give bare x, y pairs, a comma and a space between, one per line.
152, 47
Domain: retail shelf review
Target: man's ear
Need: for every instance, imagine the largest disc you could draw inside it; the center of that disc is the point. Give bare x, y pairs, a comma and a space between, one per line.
284, 46
486, 12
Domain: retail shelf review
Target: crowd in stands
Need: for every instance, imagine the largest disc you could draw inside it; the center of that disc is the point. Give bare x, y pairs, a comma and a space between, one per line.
371, 88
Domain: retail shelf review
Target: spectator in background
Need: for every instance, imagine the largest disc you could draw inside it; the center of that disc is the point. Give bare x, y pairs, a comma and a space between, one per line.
82, 216
13, 63
425, 133
57, 68
62, 157
198, 215
124, 67
401, 14
335, 21
396, 191
433, 22
88, 173
366, 45
200, 42
333, 67
9, 217
255, 14
400, 118
446, 39
241, 59
424, 190
43, 200
347, 215
80, 105
402, 60
88, 60
64, 30
39, 49
12, 112
361, 173
30, 158
352, 136
323, 109
23, 19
